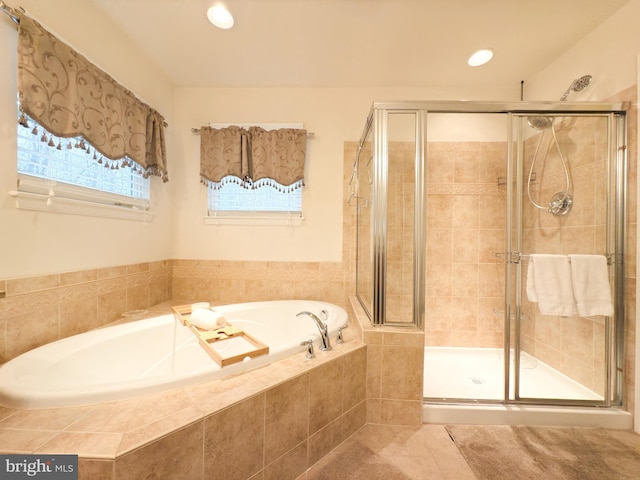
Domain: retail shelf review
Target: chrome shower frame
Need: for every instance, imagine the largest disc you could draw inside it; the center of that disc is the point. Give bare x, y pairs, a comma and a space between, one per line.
376, 132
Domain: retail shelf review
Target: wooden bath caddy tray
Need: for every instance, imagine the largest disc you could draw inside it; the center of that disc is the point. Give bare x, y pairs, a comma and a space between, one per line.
219, 336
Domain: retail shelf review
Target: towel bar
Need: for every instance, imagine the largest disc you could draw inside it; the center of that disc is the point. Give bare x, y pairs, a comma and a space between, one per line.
517, 257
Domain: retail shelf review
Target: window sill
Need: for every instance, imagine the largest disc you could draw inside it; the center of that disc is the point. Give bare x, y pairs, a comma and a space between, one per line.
70, 206
255, 220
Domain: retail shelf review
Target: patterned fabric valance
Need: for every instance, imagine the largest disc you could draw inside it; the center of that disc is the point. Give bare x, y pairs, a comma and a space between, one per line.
70, 97
253, 157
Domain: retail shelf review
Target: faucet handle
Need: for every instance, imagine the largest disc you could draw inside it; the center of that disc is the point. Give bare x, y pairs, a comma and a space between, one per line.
340, 338
309, 345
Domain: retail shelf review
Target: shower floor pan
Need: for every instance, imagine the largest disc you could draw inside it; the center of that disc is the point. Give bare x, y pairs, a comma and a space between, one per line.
476, 374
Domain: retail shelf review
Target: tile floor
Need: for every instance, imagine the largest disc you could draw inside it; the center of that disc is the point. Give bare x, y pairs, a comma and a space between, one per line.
382, 452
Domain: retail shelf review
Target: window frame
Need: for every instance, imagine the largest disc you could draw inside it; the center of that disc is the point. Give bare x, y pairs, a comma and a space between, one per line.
46, 194
255, 217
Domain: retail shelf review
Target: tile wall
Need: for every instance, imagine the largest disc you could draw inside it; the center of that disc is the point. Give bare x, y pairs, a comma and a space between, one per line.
41, 309
465, 230
572, 345
277, 434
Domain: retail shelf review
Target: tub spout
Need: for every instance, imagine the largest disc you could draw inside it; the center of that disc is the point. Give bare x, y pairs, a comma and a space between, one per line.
322, 327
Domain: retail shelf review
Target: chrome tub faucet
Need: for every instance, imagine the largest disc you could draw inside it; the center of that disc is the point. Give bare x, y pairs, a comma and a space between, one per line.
322, 327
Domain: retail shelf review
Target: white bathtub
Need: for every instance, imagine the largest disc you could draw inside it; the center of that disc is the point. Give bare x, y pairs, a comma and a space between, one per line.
152, 355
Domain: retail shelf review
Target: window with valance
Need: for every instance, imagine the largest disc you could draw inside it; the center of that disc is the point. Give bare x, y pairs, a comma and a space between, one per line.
69, 103
253, 170
253, 157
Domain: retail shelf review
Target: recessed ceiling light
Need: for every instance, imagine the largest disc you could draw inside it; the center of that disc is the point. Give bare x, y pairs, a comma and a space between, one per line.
480, 57
220, 16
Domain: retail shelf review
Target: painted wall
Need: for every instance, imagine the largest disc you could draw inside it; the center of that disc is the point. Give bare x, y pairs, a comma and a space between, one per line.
608, 53
38, 243
335, 115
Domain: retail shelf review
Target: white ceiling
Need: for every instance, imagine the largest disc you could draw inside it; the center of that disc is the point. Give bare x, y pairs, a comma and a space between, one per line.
351, 43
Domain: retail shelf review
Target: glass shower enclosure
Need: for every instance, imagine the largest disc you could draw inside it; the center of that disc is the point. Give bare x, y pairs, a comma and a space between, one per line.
455, 203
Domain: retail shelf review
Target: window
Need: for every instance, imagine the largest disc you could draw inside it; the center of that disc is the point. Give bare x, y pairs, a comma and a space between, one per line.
65, 93
264, 202
232, 203
69, 176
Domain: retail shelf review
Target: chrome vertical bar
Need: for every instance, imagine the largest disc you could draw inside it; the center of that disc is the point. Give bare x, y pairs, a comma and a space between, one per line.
619, 153
379, 213
519, 193
420, 216
610, 248
508, 250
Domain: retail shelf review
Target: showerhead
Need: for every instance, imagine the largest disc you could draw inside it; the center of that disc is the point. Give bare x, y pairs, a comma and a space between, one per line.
577, 85
539, 122
581, 83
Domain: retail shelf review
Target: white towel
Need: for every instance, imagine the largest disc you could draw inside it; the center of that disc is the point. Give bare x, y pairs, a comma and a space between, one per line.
549, 284
590, 277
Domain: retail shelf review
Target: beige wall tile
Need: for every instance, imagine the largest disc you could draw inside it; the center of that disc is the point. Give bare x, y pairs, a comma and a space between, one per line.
290, 465
324, 440
286, 417
325, 394
354, 419
354, 379
77, 316
89, 469
71, 278
400, 412
178, 455
31, 329
234, 440
20, 286
111, 306
401, 376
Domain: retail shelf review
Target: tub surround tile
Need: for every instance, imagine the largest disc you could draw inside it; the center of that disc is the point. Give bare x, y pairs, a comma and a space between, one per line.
137, 297
30, 303
14, 440
31, 329
286, 417
391, 350
354, 384
139, 437
111, 306
75, 302
21, 286
112, 272
44, 419
83, 276
213, 396
96, 469
131, 414
400, 412
94, 445
78, 315
354, 419
325, 440
325, 394
234, 440
175, 456
290, 465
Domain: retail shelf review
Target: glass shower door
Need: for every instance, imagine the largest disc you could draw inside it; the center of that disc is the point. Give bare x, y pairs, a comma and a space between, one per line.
564, 257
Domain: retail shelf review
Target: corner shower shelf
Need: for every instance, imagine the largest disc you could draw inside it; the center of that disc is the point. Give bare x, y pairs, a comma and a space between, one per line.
228, 338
